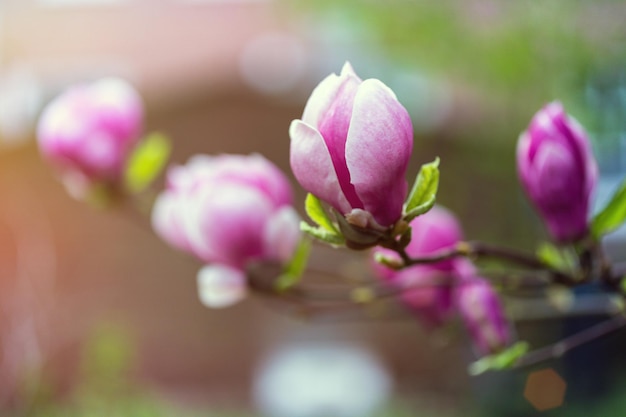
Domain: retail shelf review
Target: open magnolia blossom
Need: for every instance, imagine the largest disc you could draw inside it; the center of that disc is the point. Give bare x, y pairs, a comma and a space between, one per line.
89, 130
558, 171
352, 146
227, 210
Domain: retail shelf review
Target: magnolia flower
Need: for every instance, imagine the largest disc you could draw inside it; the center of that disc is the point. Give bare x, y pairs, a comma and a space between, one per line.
483, 315
428, 289
227, 210
89, 130
558, 171
352, 146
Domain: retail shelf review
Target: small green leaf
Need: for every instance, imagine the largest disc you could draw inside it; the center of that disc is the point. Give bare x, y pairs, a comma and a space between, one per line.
294, 270
612, 215
622, 285
424, 191
316, 212
499, 361
146, 162
393, 262
322, 234
560, 258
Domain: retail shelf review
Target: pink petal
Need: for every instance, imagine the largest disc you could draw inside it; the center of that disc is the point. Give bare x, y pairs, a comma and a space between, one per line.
225, 223
253, 170
554, 181
166, 220
282, 234
436, 230
325, 95
119, 108
378, 148
312, 166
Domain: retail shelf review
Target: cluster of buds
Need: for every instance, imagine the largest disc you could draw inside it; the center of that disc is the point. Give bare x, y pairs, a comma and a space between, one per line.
350, 150
435, 291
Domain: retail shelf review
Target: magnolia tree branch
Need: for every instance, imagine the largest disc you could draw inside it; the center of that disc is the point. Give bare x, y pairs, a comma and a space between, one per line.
476, 249
563, 346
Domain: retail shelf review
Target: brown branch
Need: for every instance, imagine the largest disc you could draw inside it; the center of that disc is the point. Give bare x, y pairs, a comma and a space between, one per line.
483, 250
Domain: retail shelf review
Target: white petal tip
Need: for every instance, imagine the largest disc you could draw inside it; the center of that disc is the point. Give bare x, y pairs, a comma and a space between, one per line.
221, 286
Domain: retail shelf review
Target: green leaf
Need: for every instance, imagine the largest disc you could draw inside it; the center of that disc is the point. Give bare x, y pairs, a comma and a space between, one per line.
146, 162
393, 262
322, 234
560, 258
613, 214
424, 191
316, 212
499, 361
294, 270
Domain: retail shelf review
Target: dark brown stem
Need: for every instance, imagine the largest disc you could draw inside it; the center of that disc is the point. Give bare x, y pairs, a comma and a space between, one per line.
483, 250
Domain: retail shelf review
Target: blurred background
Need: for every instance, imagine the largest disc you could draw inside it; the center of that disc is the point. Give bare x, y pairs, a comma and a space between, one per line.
99, 317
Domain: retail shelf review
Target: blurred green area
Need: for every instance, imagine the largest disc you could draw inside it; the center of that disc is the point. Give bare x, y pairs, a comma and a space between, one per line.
522, 50
105, 385
511, 57
106, 388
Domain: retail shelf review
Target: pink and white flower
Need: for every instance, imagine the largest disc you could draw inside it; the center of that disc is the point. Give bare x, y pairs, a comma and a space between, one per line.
228, 210
352, 146
89, 130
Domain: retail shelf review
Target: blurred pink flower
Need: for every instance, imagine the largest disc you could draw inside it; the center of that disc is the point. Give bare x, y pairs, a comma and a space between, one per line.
228, 210
483, 315
352, 146
89, 130
558, 171
428, 289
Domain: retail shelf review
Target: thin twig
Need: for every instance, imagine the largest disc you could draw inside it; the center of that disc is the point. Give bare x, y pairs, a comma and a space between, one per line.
480, 249
563, 346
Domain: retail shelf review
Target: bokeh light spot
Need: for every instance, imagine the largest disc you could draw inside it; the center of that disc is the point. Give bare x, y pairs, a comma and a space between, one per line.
545, 389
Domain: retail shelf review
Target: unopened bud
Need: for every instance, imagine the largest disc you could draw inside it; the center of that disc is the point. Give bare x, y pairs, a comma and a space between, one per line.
483, 315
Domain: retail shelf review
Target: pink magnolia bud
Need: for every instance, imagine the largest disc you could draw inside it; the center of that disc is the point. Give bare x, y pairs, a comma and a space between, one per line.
89, 130
483, 315
558, 171
228, 209
352, 146
428, 288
